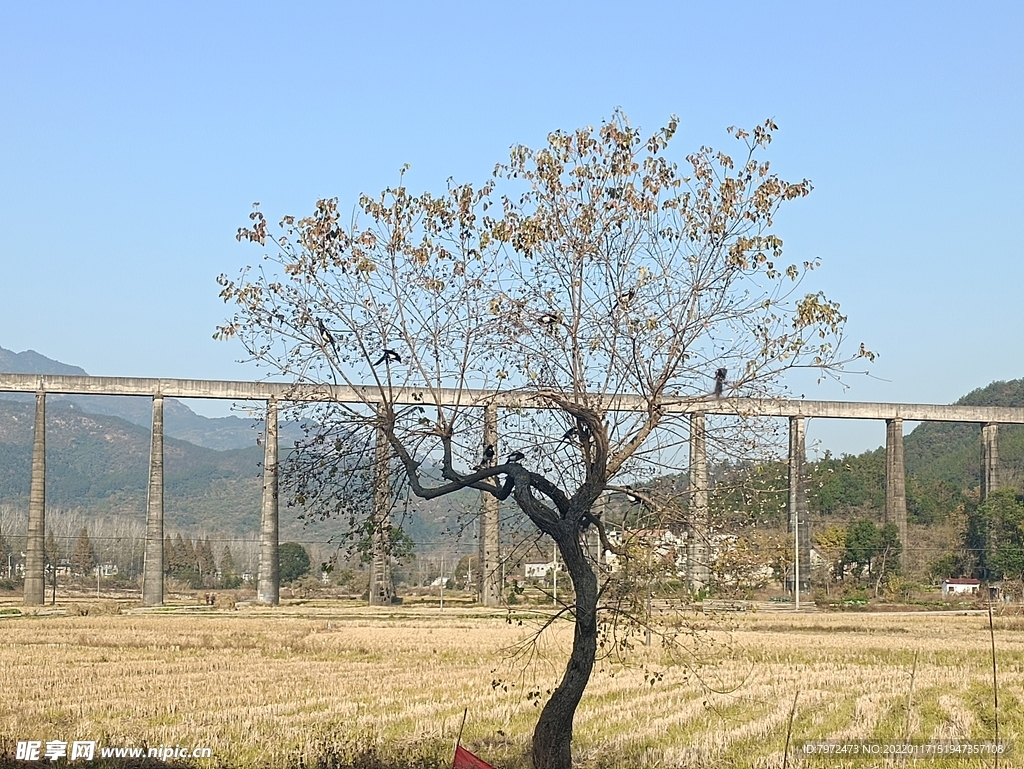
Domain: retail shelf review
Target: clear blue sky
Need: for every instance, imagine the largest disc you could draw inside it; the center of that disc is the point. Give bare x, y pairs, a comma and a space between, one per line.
135, 137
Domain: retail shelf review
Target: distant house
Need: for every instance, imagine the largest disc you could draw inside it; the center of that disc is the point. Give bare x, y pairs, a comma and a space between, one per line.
663, 545
106, 570
540, 570
960, 586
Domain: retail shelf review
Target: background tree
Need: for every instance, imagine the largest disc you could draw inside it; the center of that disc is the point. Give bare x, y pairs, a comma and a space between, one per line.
205, 561
873, 549
5, 550
394, 540
229, 577
947, 566
171, 556
832, 544
745, 563
861, 545
996, 530
183, 562
587, 270
293, 560
83, 559
752, 494
52, 550
888, 550
227, 560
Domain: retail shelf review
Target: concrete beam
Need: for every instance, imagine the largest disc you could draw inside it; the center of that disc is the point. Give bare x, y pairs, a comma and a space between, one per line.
895, 479
697, 566
989, 460
233, 390
153, 569
798, 522
268, 584
35, 556
490, 586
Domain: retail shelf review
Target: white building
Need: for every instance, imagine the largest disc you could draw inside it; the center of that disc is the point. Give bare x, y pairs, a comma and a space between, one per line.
540, 570
960, 586
663, 546
106, 570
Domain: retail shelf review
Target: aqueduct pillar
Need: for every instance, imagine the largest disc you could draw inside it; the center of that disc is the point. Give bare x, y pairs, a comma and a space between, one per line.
268, 585
381, 590
490, 586
798, 523
989, 459
153, 570
697, 566
895, 479
35, 557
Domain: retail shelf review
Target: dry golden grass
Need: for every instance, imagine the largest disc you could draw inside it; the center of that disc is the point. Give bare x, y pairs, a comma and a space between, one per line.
324, 684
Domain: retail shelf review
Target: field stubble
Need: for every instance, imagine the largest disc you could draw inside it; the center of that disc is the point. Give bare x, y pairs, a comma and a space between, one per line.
322, 686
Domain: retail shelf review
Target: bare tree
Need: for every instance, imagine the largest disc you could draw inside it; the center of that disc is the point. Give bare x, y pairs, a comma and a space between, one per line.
614, 292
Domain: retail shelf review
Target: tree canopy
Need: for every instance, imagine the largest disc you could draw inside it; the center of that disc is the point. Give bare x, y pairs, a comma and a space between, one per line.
995, 535
582, 272
294, 561
83, 559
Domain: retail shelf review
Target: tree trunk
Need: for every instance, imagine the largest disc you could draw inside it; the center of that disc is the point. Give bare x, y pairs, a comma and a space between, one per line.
552, 739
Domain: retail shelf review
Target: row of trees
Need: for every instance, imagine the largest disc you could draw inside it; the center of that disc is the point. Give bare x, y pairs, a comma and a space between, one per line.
118, 544
846, 496
992, 539
862, 550
836, 486
753, 560
192, 562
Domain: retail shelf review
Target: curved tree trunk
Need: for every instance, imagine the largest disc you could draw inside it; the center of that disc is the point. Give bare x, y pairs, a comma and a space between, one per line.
552, 739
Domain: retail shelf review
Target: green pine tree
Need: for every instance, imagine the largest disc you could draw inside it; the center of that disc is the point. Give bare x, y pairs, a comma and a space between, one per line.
184, 556
51, 550
228, 575
83, 559
205, 560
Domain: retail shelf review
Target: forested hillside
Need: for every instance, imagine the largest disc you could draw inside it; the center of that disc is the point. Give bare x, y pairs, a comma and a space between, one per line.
951, 452
943, 461
101, 464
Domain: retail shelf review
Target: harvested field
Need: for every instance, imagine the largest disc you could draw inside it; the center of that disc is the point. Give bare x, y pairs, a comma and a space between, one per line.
321, 685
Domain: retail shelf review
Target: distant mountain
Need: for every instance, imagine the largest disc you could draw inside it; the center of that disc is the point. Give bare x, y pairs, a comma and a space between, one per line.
100, 464
31, 362
97, 451
180, 421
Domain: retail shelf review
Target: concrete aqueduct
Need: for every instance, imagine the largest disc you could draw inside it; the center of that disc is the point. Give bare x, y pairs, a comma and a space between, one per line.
797, 411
